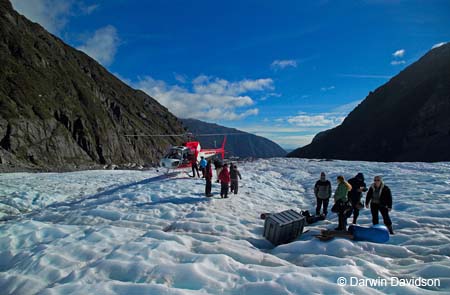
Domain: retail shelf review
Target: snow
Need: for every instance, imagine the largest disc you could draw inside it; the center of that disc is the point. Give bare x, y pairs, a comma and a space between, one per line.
141, 232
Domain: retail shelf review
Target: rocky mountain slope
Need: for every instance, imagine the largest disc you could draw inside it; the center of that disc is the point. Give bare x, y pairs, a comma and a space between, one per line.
406, 119
239, 143
60, 109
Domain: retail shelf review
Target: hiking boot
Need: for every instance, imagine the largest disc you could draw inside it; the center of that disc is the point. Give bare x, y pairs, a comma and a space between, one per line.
391, 231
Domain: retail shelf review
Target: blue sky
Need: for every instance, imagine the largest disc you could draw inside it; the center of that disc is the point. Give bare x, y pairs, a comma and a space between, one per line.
280, 69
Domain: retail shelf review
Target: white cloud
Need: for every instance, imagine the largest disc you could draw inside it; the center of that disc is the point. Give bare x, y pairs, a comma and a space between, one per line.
268, 95
281, 64
102, 46
397, 62
346, 108
88, 9
296, 131
399, 53
205, 84
51, 14
224, 114
327, 88
438, 45
180, 78
209, 99
320, 120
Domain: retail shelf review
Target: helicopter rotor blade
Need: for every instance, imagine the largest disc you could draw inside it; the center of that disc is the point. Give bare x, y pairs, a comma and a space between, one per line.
153, 135
183, 135
219, 134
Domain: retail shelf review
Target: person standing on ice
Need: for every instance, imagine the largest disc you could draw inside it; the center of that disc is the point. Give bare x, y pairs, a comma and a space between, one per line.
234, 174
356, 193
224, 178
203, 166
208, 178
218, 166
380, 199
194, 166
341, 206
322, 191
231, 171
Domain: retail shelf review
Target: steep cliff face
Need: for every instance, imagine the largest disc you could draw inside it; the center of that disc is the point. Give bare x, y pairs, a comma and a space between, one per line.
240, 144
407, 119
60, 109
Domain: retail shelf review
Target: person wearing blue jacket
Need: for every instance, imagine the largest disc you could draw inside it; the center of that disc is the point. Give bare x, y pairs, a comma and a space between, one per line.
203, 164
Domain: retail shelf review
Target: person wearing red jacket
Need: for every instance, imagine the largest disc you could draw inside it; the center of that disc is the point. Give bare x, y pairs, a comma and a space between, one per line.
208, 177
224, 178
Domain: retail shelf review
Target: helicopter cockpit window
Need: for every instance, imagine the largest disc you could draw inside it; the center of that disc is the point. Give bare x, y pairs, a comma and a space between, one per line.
174, 154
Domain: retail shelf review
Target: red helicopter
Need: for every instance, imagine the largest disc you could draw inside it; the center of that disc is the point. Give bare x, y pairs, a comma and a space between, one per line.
183, 156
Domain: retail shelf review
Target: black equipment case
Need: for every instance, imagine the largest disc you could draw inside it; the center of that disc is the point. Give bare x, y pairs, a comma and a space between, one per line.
283, 227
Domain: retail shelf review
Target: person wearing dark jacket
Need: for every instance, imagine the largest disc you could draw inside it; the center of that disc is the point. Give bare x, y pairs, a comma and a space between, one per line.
224, 178
322, 191
234, 174
231, 171
356, 193
218, 164
380, 199
208, 178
